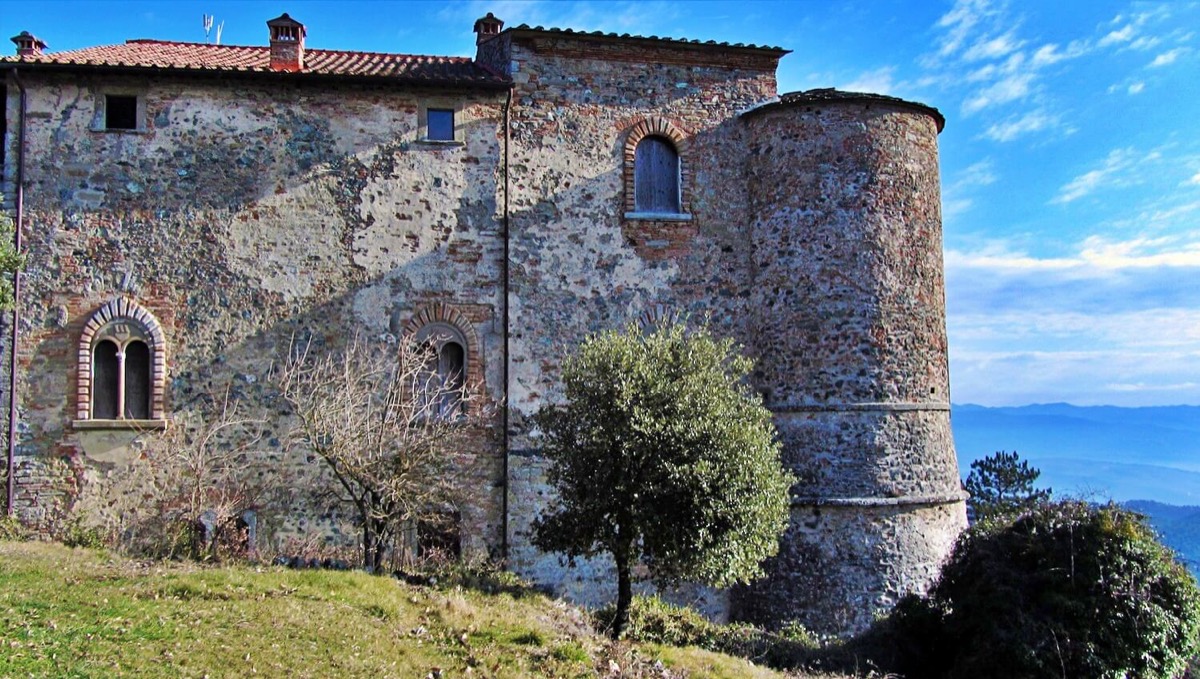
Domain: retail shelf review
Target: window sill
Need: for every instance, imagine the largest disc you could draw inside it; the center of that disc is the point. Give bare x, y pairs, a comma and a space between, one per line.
659, 216
441, 142
119, 130
144, 425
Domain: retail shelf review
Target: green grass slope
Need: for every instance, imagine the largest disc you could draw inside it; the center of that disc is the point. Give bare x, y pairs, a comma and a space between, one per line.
76, 612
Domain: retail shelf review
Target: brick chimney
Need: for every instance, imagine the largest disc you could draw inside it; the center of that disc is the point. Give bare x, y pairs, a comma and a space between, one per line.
28, 45
287, 44
487, 28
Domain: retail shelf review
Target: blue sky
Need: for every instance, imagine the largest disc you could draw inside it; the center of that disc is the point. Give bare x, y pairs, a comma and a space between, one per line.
1070, 160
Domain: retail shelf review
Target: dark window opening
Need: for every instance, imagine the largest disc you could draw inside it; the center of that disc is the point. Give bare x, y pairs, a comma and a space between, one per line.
656, 176
137, 381
120, 112
105, 381
439, 123
451, 372
439, 537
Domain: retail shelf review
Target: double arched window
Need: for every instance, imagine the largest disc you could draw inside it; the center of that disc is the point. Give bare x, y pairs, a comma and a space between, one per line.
122, 359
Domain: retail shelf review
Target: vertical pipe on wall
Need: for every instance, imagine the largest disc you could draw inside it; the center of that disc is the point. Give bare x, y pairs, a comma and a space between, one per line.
507, 334
16, 314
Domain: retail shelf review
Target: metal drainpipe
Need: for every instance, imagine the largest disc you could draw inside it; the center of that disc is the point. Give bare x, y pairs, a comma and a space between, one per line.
507, 333
16, 315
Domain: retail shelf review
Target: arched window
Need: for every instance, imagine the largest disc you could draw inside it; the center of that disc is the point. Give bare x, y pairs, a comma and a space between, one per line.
122, 359
656, 173
453, 362
656, 176
446, 355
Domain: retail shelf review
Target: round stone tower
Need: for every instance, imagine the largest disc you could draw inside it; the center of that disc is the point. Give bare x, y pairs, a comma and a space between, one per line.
850, 337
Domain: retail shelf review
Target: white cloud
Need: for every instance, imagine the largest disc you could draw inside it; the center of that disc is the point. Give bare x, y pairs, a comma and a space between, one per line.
1136, 88
1011, 88
878, 81
1013, 128
1195, 180
1113, 173
1107, 322
993, 48
960, 21
1168, 57
1049, 54
1124, 34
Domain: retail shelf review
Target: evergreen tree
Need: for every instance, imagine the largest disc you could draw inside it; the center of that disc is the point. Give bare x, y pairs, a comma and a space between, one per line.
1002, 484
663, 455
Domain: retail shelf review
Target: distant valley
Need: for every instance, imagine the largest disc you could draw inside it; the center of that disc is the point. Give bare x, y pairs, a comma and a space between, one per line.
1146, 458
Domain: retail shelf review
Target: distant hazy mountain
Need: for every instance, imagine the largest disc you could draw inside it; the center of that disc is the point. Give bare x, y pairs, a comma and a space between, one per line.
1179, 526
1099, 452
1146, 458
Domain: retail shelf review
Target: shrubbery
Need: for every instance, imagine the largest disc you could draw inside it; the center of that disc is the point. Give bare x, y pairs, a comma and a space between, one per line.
652, 620
1065, 589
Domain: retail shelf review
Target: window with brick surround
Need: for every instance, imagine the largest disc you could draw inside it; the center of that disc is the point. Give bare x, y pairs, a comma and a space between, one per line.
455, 355
656, 176
447, 366
121, 371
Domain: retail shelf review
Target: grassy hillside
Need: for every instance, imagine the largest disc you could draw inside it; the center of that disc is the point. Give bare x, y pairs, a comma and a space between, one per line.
76, 612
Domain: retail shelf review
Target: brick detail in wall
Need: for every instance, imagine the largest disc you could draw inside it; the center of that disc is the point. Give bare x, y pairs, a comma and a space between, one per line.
119, 309
657, 126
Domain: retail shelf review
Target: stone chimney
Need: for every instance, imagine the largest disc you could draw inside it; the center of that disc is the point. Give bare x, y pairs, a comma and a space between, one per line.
287, 44
28, 45
487, 28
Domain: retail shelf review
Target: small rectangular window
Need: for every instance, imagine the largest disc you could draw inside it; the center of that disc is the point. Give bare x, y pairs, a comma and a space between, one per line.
120, 112
439, 124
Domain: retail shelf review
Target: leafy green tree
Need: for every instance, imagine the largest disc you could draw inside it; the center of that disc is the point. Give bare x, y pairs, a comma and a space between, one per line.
1003, 484
663, 455
1066, 589
11, 261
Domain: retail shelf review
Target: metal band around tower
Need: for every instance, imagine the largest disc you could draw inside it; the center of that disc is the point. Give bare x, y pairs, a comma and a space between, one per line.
909, 500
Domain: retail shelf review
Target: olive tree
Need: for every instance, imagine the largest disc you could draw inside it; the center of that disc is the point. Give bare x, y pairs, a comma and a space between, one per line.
662, 455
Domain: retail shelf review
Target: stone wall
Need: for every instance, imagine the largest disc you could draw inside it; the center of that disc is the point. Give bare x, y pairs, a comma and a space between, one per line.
246, 214
851, 340
579, 265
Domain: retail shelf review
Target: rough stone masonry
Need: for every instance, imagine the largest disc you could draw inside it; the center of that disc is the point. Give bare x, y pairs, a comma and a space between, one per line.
194, 208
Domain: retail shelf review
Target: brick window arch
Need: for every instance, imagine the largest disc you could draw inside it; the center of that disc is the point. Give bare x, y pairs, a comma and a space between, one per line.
121, 367
656, 170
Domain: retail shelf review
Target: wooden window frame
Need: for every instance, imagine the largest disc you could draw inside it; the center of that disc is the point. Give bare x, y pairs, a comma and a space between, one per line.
664, 129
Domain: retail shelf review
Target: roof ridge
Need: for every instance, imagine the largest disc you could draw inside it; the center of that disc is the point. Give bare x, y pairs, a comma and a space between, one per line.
657, 38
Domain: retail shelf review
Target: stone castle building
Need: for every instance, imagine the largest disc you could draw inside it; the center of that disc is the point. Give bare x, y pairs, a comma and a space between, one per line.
186, 209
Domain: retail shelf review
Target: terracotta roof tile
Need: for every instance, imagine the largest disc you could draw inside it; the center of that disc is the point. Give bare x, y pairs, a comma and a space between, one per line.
169, 56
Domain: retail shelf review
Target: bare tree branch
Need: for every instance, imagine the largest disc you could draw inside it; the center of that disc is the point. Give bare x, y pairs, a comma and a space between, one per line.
387, 426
